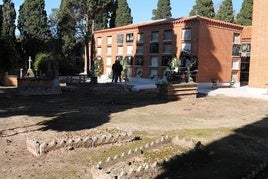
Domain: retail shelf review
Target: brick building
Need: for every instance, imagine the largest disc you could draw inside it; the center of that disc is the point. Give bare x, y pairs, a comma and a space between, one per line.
148, 47
258, 77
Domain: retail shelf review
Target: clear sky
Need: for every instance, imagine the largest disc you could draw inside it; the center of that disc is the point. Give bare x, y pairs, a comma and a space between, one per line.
141, 10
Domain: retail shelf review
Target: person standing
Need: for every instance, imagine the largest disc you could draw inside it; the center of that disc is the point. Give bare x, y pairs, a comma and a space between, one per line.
117, 69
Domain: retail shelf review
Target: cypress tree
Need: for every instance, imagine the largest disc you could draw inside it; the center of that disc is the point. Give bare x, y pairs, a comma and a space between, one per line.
9, 18
112, 11
226, 11
67, 27
244, 17
163, 10
123, 14
7, 44
33, 26
203, 8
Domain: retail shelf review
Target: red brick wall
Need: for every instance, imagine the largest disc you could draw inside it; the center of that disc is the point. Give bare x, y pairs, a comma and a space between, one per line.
258, 77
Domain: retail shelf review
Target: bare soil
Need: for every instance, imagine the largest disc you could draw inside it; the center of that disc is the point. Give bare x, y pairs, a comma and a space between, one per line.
227, 126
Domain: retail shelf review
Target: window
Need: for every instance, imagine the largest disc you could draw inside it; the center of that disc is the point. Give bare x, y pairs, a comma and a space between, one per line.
129, 60
119, 58
236, 50
129, 50
99, 51
139, 60
235, 65
153, 72
246, 47
168, 48
155, 37
154, 61
109, 40
186, 47
140, 37
129, 37
99, 41
186, 34
236, 39
120, 50
109, 50
154, 48
166, 60
139, 49
108, 61
120, 38
168, 35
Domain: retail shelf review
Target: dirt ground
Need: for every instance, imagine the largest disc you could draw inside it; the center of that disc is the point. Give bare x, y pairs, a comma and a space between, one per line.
208, 119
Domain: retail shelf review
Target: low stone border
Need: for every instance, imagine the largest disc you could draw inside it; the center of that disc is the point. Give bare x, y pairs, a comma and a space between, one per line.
258, 170
38, 148
104, 168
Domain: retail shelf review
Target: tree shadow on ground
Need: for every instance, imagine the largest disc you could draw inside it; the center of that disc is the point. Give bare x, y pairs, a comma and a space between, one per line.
234, 156
74, 111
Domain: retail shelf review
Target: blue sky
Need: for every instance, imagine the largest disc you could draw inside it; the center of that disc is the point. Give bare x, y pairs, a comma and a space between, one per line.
141, 10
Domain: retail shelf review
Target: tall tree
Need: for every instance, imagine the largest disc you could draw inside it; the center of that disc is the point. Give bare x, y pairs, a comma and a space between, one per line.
67, 26
163, 10
203, 8
123, 14
112, 13
244, 17
7, 39
33, 26
226, 11
9, 18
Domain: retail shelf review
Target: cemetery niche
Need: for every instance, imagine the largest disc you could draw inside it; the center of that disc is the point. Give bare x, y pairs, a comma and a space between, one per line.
35, 82
179, 78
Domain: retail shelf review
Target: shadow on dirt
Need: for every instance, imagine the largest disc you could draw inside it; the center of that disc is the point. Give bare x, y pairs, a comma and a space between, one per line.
234, 156
74, 111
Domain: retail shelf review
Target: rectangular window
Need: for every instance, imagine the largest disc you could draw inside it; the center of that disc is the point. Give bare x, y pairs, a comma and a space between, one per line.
129, 60
99, 41
154, 48
186, 34
139, 49
168, 35
119, 50
99, 51
235, 65
154, 61
109, 50
165, 60
108, 61
236, 50
186, 47
129, 50
236, 39
153, 72
168, 48
155, 37
129, 37
109, 40
140, 37
120, 38
139, 60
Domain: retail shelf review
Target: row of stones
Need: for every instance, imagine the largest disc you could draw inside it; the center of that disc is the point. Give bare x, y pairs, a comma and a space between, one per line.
259, 169
38, 148
105, 166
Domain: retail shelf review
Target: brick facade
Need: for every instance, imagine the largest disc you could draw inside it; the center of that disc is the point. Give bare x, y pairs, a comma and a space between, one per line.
258, 77
215, 43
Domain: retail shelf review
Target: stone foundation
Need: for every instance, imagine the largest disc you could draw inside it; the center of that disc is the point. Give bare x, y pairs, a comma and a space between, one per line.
177, 91
36, 86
